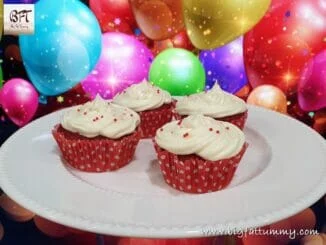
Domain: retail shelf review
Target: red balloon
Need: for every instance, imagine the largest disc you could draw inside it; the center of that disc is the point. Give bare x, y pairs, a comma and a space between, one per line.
188, 241
277, 48
113, 15
80, 239
50, 228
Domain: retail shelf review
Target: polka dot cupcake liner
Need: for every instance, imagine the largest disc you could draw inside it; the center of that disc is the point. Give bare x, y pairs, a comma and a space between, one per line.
98, 154
193, 174
238, 120
151, 121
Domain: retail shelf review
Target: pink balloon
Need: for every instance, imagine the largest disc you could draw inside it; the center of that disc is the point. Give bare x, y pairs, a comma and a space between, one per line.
19, 100
312, 86
124, 61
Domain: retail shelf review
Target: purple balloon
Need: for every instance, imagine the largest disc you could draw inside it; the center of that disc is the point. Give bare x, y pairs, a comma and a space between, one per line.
312, 85
124, 61
19, 100
225, 65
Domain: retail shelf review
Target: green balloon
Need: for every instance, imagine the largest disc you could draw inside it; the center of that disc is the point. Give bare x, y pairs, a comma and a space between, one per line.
178, 71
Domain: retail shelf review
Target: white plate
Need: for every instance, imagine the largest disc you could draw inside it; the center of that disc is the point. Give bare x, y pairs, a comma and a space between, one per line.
283, 172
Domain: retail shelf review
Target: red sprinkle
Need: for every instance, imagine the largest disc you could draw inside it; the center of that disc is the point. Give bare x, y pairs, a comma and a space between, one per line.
78, 110
185, 135
210, 129
102, 116
158, 91
115, 120
85, 113
161, 129
180, 121
131, 115
217, 131
227, 128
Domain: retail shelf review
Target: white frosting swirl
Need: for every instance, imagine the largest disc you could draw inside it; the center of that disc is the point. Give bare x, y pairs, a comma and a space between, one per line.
142, 97
101, 118
204, 136
214, 103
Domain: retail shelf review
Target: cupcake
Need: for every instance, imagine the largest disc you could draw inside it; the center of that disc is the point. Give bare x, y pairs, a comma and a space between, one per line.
199, 154
153, 104
98, 136
214, 103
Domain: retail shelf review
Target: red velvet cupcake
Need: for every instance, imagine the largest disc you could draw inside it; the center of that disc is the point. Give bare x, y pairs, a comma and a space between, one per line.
153, 104
214, 103
98, 136
199, 154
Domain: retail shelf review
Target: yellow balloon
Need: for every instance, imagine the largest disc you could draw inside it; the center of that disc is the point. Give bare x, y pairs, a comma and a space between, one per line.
214, 23
1, 17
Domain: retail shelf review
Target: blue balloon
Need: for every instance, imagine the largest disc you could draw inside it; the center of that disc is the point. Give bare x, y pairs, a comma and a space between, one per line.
65, 47
225, 66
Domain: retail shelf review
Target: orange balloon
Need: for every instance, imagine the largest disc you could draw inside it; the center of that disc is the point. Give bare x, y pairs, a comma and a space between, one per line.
270, 97
320, 122
14, 211
158, 19
2, 231
50, 228
244, 92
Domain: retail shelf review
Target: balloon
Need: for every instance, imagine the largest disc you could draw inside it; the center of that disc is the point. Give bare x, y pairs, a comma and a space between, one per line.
2, 232
14, 211
65, 47
225, 65
146, 241
211, 24
180, 40
304, 220
50, 228
270, 97
1, 18
320, 124
278, 47
19, 100
80, 239
278, 63
312, 85
243, 93
12, 52
124, 61
158, 19
178, 71
113, 15
314, 240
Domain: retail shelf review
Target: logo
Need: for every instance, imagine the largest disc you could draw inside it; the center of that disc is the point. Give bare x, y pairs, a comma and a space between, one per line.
18, 19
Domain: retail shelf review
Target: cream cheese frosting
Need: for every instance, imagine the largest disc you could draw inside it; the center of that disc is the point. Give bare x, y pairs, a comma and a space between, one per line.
142, 97
213, 103
101, 118
204, 136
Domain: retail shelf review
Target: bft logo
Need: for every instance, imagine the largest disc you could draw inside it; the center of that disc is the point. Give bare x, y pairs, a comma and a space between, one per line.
18, 19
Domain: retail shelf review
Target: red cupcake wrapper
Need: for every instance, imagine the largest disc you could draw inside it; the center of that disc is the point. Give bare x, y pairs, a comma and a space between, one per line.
193, 174
151, 121
238, 120
98, 154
